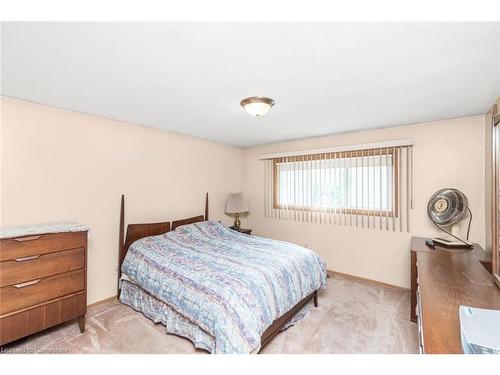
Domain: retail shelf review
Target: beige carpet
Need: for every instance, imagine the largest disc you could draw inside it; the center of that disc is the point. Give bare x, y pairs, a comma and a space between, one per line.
353, 316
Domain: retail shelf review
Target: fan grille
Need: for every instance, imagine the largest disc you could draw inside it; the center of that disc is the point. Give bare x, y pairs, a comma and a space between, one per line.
447, 207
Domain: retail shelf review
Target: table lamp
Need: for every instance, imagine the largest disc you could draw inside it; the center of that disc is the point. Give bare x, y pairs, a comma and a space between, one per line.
236, 204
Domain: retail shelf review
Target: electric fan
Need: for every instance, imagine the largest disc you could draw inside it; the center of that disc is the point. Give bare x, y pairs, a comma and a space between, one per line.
446, 208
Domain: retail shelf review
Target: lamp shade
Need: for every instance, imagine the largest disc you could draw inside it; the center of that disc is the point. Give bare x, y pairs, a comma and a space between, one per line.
257, 109
236, 204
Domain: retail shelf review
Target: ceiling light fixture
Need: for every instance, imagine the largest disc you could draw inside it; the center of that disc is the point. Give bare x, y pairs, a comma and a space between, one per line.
257, 105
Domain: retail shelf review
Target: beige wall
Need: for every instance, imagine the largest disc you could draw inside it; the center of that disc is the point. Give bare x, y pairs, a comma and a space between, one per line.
446, 154
64, 166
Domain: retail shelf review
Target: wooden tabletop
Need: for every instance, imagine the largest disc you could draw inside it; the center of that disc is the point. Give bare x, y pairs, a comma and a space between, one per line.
447, 279
477, 252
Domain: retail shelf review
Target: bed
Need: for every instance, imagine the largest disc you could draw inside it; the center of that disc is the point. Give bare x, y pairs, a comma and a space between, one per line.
226, 291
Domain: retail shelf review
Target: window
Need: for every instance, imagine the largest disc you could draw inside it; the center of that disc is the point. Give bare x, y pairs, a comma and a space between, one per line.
362, 185
347, 182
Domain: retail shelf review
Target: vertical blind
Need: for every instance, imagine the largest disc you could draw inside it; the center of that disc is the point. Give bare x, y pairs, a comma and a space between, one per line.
365, 186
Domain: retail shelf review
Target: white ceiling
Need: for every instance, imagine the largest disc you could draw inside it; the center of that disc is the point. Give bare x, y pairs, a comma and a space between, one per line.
190, 77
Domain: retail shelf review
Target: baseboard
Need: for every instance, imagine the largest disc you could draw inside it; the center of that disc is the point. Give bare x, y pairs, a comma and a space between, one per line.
375, 282
102, 301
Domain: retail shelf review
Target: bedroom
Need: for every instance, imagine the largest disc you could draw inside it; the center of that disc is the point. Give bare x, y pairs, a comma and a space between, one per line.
248, 187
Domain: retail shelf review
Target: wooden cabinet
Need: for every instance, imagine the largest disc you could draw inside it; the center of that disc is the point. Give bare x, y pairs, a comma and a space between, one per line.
442, 280
43, 281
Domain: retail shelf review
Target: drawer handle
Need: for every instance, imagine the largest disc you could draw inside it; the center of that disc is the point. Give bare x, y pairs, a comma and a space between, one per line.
24, 259
27, 283
24, 239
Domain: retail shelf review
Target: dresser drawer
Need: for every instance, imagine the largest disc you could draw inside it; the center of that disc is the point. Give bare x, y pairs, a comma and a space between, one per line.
23, 295
27, 268
13, 248
26, 322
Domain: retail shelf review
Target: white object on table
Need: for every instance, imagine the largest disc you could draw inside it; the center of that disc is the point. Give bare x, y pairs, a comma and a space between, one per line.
480, 330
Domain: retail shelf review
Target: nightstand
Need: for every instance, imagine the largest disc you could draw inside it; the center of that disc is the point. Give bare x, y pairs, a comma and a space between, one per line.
241, 230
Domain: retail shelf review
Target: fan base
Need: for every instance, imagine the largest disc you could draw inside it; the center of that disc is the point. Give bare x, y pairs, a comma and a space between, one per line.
452, 243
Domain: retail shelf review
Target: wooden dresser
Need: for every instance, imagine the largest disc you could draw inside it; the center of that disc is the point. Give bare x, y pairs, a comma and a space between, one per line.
442, 280
43, 278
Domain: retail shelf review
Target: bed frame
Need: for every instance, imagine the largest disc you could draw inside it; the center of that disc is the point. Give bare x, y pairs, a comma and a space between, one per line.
137, 231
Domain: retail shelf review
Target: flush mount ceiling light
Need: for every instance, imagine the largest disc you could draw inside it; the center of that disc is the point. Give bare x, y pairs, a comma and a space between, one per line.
257, 105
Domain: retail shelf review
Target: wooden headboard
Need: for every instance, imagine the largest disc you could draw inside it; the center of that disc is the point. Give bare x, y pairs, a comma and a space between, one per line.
194, 219
137, 231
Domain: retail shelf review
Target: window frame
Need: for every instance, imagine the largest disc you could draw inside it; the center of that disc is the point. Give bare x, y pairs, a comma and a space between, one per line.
335, 155
494, 133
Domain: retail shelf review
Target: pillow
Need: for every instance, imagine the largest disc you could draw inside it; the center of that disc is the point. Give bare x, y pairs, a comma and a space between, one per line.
201, 226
